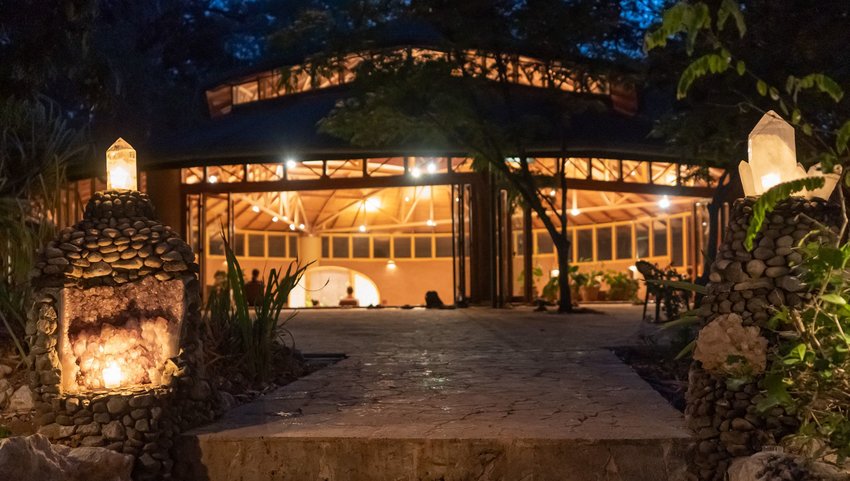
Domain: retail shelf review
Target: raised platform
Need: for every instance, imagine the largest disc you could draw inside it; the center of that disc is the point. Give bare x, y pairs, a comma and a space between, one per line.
452, 395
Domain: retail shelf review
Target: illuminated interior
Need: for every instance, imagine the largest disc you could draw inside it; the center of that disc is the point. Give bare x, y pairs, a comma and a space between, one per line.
402, 238
121, 336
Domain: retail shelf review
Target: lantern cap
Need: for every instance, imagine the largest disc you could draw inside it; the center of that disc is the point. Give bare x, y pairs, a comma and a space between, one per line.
119, 144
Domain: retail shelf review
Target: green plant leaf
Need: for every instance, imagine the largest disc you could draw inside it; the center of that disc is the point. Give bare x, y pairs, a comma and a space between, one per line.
774, 93
798, 353
768, 201
833, 299
689, 348
741, 67
777, 393
730, 8
681, 322
761, 87
824, 84
831, 256
842, 137
712, 63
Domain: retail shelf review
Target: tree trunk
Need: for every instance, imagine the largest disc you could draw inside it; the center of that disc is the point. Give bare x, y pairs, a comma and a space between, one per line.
562, 246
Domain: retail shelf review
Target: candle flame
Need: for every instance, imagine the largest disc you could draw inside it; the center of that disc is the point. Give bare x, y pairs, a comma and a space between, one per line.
112, 376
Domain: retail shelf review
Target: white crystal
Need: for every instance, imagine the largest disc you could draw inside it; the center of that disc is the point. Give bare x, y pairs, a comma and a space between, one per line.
772, 153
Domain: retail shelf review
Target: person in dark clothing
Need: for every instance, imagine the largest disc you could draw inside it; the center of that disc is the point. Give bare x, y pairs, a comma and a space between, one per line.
254, 289
349, 300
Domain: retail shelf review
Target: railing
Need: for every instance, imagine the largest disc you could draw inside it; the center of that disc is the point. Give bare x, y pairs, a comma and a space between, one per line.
518, 69
623, 172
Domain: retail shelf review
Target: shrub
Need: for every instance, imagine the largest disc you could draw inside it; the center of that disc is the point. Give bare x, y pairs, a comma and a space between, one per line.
249, 340
809, 367
623, 287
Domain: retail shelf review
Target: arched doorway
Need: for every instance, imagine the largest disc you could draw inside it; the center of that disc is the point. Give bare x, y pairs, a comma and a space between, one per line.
326, 285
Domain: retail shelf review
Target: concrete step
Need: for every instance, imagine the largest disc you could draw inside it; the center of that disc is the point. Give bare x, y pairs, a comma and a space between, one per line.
225, 458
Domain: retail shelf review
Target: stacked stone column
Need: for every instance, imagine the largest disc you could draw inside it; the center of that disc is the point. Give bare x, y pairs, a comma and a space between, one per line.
119, 242
751, 285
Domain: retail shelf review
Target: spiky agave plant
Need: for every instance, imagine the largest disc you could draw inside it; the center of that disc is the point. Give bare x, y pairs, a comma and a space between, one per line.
259, 334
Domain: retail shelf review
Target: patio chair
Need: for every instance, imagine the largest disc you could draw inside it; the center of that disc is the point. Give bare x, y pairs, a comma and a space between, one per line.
661, 293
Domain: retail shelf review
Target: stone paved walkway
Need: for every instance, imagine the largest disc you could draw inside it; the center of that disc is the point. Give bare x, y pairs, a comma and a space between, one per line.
498, 378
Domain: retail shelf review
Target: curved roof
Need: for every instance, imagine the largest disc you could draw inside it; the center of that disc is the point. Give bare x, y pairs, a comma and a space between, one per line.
274, 129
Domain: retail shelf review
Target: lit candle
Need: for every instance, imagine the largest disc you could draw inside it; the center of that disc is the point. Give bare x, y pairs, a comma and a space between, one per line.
112, 376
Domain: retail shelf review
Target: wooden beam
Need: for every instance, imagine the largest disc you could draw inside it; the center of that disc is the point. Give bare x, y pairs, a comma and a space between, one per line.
436, 179
335, 184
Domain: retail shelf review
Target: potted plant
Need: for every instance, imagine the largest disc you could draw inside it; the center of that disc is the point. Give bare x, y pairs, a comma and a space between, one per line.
590, 289
622, 286
579, 279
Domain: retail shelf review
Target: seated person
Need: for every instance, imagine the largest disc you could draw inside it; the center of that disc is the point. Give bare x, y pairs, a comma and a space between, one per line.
349, 300
254, 289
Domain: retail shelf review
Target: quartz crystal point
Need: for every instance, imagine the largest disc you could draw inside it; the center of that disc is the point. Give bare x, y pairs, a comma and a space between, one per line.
773, 160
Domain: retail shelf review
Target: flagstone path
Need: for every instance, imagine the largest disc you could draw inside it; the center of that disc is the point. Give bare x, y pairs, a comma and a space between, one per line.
453, 394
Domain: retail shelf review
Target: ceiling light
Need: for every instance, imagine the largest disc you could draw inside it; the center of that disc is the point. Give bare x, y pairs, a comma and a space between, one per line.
213, 179
291, 226
255, 209
416, 173
391, 264
372, 204
301, 226
286, 218
431, 167
554, 273
552, 193
430, 223
664, 202
406, 199
574, 212
274, 219
290, 164
362, 228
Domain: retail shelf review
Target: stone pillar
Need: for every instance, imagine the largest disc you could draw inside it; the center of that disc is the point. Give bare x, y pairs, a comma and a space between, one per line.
744, 289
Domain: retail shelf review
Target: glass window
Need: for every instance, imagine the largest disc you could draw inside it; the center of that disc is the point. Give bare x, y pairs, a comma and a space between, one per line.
423, 247
216, 245
624, 241
603, 244
277, 245
544, 243
256, 245
381, 247
293, 246
585, 245
340, 247
360, 247
642, 240
677, 254
444, 246
239, 244
401, 247
659, 238
326, 250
